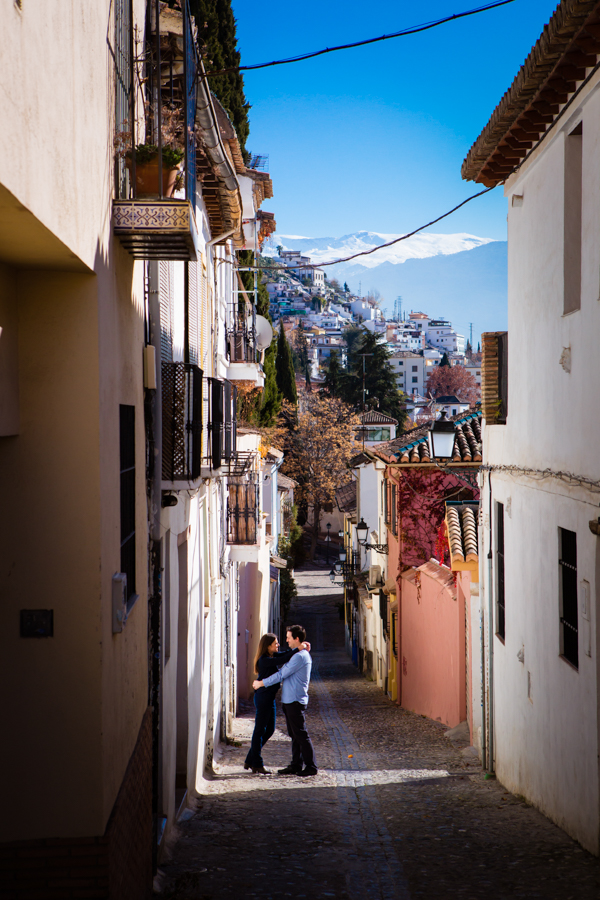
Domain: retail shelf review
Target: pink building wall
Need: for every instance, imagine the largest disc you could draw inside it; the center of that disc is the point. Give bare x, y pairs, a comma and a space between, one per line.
433, 654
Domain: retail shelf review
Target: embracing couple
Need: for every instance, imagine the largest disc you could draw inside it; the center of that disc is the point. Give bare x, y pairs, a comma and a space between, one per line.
294, 673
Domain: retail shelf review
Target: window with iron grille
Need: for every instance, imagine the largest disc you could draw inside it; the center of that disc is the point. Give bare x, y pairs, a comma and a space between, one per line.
500, 614
182, 421
567, 564
127, 477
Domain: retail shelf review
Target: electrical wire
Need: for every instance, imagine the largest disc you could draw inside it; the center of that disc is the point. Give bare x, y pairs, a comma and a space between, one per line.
404, 237
573, 480
413, 29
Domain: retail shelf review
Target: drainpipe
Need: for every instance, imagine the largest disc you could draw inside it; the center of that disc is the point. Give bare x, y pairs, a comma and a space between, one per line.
490, 749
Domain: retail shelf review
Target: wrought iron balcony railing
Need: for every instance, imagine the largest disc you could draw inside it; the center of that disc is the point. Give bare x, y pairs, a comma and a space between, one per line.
182, 421
156, 104
241, 336
243, 510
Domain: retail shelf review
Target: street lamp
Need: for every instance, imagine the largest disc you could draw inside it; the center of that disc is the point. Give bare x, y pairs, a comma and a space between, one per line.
363, 529
441, 437
332, 577
328, 526
342, 556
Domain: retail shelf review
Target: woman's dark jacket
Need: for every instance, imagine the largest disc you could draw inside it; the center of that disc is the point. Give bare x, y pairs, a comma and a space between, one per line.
268, 665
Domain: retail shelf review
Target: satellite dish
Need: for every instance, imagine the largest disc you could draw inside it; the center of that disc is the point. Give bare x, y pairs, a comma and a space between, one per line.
264, 333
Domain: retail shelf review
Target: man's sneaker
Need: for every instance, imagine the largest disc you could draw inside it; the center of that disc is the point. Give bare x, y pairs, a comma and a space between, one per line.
289, 770
308, 771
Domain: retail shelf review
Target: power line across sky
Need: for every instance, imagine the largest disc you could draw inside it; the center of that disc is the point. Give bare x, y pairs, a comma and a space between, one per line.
374, 137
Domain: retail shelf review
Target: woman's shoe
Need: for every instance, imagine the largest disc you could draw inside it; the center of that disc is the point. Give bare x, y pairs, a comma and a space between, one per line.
246, 766
261, 771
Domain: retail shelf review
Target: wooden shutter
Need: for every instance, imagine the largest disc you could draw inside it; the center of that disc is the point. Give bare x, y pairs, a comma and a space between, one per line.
204, 321
165, 285
192, 285
494, 377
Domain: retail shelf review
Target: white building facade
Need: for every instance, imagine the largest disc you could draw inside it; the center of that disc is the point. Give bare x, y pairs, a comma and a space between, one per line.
540, 597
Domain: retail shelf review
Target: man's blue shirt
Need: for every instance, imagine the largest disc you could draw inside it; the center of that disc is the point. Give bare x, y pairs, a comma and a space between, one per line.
295, 676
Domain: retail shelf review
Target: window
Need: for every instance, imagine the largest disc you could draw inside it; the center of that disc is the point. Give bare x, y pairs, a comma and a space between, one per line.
573, 191
415, 368
127, 467
500, 616
567, 563
415, 379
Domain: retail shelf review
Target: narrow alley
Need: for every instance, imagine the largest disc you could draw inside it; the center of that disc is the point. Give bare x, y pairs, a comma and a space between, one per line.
398, 810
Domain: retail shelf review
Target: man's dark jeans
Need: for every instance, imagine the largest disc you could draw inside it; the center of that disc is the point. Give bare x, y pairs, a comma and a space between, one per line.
264, 726
302, 748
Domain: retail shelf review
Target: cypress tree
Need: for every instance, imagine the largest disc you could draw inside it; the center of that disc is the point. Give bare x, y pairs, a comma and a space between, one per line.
444, 361
284, 366
218, 41
332, 383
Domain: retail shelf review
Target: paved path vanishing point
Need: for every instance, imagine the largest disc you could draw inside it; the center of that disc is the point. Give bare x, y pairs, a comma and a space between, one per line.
397, 811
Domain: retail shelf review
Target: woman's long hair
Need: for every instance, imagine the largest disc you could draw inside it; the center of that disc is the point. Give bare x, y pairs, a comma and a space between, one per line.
265, 642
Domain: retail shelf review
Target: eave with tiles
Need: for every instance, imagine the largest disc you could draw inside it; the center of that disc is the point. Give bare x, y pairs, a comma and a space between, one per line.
563, 57
461, 530
412, 448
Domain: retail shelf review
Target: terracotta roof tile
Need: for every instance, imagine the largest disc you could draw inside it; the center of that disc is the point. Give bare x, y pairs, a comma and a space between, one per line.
413, 445
376, 418
346, 497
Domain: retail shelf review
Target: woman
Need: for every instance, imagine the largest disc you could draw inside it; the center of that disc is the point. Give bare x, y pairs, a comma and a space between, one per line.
266, 662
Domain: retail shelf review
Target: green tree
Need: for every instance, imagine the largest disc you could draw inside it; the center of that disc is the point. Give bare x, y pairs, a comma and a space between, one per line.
352, 335
444, 361
218, 42
302, 354
346, 288
264, 408
334, 374
379, 377
284, 367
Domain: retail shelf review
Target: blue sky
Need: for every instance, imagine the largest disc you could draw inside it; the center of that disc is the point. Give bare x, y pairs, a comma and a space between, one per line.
373, 138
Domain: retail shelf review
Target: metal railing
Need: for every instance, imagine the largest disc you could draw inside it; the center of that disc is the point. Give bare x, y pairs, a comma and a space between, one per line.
243, 510
182, 421
241, 334
156, 96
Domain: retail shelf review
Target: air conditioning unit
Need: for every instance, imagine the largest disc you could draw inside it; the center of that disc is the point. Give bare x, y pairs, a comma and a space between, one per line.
374, 576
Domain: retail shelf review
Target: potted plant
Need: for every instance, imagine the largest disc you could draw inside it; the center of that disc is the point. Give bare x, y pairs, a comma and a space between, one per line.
146, 169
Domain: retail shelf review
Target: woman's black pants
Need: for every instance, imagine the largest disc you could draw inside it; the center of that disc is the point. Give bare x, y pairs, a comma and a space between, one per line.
264, 726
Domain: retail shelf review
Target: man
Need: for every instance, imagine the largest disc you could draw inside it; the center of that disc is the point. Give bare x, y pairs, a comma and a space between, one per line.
295, 676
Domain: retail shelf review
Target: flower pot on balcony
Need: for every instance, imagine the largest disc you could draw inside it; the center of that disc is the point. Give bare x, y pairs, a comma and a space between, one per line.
146, 179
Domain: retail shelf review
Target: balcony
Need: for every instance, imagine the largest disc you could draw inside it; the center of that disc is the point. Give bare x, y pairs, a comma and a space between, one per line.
182, 423
243, 511
156, 229
155, 142
242, 348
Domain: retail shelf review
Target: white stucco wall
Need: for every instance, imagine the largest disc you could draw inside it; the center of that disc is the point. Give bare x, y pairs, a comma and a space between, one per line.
547, 744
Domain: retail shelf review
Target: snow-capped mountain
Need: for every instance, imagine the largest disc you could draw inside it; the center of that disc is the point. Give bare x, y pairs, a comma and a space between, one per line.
461, 277
419, 246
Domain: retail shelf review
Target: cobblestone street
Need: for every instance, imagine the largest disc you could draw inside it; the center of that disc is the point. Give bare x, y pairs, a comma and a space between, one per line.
396, 811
